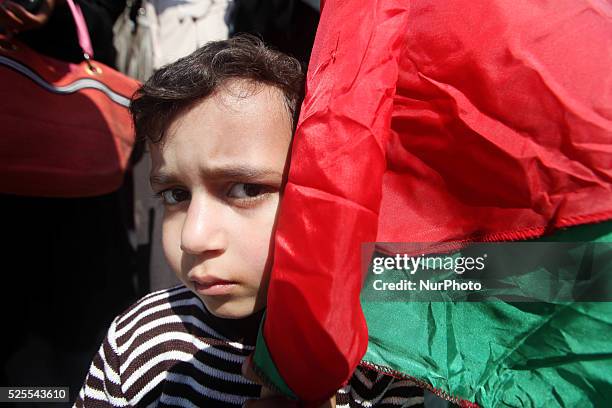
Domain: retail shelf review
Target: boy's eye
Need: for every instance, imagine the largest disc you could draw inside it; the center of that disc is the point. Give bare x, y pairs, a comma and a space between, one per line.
173, 196
246, 191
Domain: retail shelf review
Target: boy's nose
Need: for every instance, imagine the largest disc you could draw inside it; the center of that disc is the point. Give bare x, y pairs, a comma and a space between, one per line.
203, 229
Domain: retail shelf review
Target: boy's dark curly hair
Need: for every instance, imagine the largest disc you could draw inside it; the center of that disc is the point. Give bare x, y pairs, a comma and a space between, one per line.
176, 86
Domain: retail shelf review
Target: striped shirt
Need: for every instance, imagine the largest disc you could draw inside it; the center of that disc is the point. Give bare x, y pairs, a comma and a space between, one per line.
167, 350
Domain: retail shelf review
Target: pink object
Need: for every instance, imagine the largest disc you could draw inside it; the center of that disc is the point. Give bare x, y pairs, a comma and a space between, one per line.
83, 34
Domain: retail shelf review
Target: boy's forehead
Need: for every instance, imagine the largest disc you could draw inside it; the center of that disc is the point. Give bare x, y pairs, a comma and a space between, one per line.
238, 102
238, 93
242, 124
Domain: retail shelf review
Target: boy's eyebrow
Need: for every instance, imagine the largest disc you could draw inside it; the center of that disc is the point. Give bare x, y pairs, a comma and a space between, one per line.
161, 179
238, 172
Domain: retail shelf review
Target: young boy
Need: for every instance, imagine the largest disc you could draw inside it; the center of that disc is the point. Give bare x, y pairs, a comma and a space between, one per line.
219, 125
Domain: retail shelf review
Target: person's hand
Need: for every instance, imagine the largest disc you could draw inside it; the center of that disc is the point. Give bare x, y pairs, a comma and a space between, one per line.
15, 19
268, 398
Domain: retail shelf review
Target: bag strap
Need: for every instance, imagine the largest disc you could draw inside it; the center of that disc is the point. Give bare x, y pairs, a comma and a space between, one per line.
82, 33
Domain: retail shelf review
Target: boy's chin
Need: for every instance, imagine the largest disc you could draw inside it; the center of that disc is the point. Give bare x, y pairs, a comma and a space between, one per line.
230, 309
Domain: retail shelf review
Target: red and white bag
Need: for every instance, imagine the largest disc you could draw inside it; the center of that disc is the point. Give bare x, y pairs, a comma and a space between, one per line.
65, 128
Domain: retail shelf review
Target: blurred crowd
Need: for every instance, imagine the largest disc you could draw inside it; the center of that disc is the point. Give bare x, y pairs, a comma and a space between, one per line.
72, 264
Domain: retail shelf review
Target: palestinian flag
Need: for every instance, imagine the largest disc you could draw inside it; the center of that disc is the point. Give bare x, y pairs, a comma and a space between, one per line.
445, 121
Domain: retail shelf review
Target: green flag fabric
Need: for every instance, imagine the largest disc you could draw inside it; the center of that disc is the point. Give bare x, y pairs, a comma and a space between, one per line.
493, 353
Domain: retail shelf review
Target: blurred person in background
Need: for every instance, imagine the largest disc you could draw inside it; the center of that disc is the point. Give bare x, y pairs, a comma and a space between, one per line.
69, 261
186, 25
152, 33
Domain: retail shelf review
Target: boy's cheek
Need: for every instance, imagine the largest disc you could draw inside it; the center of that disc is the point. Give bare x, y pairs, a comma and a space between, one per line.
171, 243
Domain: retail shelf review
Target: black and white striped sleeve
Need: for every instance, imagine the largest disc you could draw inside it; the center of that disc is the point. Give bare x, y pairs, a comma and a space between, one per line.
102, 387
368, 388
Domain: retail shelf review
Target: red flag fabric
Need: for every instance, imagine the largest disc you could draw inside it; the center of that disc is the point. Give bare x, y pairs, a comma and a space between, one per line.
430, 121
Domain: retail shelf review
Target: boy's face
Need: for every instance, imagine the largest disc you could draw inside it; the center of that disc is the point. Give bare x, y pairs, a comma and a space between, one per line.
219, 171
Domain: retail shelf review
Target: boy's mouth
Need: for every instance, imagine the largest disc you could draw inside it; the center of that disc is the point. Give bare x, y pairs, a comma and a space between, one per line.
210, 286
